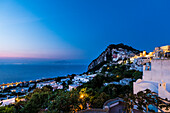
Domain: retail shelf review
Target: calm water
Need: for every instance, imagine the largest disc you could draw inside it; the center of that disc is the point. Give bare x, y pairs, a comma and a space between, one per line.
26, 72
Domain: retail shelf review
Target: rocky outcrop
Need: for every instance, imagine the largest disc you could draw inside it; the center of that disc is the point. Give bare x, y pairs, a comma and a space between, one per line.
113, 53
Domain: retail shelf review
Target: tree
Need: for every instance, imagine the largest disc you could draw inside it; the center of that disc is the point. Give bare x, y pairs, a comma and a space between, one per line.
128, 74
97, 81
84, 97
110, 90
137, 75
69, 82
47, 88
99, 101
36, 102
7, 109
65, 102
64, 85
72, 76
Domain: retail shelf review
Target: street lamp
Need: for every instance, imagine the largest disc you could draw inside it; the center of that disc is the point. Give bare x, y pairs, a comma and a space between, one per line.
81, 96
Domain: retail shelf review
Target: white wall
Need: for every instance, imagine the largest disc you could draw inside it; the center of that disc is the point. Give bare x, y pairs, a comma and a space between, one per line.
163, 92
160, 70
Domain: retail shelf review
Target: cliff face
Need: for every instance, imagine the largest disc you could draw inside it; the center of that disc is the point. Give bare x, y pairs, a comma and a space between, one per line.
113, 53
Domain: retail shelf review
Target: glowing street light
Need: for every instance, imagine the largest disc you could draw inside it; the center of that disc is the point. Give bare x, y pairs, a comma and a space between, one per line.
81, 96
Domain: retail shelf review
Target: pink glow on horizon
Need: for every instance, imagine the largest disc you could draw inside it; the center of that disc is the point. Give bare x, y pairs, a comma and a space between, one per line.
44, 55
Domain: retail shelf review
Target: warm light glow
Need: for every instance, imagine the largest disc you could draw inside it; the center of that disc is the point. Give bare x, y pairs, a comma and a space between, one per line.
81, 107
81, 96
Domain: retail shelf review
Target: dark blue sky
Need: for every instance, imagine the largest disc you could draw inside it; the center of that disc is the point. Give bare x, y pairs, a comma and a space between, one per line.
81, 29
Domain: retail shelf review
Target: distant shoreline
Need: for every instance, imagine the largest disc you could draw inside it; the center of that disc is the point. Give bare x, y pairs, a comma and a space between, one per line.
24, 73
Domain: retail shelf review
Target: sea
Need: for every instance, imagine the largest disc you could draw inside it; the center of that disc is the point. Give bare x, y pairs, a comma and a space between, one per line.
21, 70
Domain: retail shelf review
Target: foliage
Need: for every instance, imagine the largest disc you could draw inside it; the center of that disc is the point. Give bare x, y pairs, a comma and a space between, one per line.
99, 101
110, 90
36, 102
58, 79
7, 109
92, 93
64, 85
69, 82
98, 81
143, 99
97, 67
137, 75
71, 76
65, 102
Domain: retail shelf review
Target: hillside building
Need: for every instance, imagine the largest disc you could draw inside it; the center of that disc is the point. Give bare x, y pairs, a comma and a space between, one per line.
156, 77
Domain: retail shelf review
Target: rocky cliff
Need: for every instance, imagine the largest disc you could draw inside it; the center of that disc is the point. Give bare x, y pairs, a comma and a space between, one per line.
112, 54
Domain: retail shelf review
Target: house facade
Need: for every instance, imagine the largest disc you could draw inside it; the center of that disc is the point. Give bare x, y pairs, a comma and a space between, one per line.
156, 77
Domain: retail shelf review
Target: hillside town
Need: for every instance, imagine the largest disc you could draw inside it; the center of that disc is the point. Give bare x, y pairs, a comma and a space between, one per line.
142, 73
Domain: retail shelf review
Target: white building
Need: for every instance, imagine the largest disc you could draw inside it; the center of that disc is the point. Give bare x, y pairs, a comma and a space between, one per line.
82, 79
73, 86
7, 102
141, 60
42, 84
65, 79
122, 82
57, 86
125, 81
156, 77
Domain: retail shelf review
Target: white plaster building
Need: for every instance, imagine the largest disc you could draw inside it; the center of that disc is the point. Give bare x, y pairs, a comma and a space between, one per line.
7, 102
156, 77
73, 86
125, 81
122, 82
42, 84
80, 79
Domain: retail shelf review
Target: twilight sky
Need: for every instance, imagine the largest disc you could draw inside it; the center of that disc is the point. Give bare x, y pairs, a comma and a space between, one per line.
80, 29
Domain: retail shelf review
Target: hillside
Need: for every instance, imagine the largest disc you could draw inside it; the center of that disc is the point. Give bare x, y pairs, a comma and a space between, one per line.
112, 54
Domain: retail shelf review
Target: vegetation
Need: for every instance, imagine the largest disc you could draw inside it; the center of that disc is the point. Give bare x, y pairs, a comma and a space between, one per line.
7, 109
92, 94
121, 45
143, 100
109, 56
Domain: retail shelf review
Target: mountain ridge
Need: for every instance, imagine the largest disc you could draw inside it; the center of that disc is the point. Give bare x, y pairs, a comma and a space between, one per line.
107, 54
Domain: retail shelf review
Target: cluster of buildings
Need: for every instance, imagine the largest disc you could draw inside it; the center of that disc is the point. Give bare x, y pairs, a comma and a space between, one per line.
121, 55
51, 83
124, 81
139, 60
7, 97
114, 54
11, 91
156, 74
154, 65
143, 58
78, 80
